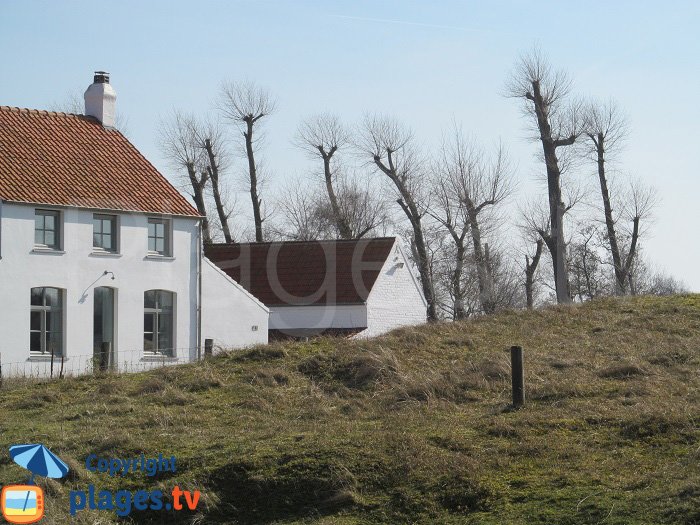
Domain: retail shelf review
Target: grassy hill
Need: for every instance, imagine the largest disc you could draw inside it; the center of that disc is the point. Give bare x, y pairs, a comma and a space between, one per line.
413, 427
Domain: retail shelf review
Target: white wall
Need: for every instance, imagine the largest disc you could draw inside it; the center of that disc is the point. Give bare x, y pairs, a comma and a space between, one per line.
229, 312
78, 271
396, 299
318, 317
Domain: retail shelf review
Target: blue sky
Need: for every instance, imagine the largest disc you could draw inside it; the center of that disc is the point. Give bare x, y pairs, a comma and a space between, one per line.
427, 63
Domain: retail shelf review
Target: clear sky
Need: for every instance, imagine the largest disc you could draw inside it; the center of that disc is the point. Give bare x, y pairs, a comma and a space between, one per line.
426, 62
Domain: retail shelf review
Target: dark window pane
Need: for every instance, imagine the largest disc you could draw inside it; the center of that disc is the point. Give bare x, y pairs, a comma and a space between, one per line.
37, 296
107, 241
160, 246
106, 226
149, 299
148, 322
49, 238
148, 344
35, 321
53, 297
35, 341
97, 225
38, 236
50, 222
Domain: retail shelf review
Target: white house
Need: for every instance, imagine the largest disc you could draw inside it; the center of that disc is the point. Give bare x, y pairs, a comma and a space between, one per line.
358, 288
97, 246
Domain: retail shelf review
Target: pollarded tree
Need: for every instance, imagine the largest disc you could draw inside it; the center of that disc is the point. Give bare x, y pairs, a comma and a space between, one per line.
179, 143
245, 104
558, 125
606, 130
322, 136
391, 149
470, 186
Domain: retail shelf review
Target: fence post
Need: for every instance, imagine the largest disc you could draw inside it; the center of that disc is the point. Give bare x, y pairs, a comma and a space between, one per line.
0, 369
518, 375
208, 348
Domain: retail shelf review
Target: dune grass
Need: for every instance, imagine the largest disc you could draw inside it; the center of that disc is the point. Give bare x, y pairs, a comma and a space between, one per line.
412, 427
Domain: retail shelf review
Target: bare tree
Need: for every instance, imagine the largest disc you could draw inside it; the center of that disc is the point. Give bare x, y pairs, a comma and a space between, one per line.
211, 140
245, 104
180, 144
322, 136
606, 130
389, 146
469, 185
558, 125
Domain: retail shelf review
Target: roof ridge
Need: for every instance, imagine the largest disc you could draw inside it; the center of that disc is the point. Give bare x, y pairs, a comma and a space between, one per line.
384, 238
47, 112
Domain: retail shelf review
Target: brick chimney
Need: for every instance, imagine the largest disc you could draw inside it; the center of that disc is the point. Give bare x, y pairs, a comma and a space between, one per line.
101, 99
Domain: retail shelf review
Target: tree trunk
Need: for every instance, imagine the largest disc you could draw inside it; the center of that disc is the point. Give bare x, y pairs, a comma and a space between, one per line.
457, 291
341, 224
530, 269
482, 269
620, 281
198, 186
253, 175
556, 206
213, 170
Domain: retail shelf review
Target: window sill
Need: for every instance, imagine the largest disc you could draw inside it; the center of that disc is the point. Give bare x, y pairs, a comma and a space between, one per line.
157, 257
45, 359
47, 251
114, 255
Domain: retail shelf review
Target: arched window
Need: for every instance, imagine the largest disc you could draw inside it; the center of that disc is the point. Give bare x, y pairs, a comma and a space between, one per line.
158, 322
46, 322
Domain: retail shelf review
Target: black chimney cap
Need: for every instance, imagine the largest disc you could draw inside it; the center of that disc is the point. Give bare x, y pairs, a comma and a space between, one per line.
101, 77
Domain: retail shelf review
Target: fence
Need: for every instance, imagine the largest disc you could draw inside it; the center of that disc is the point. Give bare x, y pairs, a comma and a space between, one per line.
119, 361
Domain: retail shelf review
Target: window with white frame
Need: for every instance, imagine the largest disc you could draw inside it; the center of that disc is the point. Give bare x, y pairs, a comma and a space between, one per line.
159, 242
46, 322
104, 233
47, 229
158, 322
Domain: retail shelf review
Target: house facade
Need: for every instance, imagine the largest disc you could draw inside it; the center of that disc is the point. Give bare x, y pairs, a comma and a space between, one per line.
358, 288
97, 247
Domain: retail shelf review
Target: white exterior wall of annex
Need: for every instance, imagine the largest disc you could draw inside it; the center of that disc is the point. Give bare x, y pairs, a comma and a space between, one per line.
395, 299
321, 317
231, 316
78, 271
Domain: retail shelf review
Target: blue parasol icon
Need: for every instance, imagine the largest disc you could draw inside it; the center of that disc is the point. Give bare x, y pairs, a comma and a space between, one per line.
38, 460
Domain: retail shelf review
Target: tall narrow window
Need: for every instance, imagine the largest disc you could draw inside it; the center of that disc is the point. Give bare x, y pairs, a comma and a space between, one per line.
104, 232
47, 229
159, 236
46, 322
158, 323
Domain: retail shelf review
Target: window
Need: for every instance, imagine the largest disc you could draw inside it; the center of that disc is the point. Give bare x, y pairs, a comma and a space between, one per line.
46, 323
158, 322
104, 232
159, 236
47, 229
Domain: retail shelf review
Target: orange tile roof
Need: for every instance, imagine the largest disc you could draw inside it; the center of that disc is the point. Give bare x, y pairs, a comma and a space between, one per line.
71, 160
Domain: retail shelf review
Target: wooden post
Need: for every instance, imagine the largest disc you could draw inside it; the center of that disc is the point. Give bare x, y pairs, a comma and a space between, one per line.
208, 348
60, 374
518, 375
0, 369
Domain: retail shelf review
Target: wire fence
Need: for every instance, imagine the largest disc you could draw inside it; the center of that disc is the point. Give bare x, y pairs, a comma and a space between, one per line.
70, 365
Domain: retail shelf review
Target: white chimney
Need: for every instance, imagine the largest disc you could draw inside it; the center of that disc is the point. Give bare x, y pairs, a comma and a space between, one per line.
101, 100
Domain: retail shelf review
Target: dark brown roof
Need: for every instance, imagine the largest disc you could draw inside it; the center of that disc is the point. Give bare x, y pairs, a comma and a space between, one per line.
304, 273
71, 160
